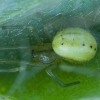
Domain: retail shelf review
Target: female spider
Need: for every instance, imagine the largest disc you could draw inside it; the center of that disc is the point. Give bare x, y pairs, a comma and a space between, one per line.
75, 45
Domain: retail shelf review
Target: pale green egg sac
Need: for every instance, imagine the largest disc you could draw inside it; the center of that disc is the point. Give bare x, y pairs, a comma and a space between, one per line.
75, 45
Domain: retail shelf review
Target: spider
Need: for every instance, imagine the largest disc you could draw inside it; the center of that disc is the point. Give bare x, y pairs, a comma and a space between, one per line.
75, 45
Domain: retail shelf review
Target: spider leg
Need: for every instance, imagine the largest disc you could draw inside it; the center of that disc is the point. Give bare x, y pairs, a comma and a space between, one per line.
29, 66
47, 33
32, 29
12, 27
49, 72
14, 48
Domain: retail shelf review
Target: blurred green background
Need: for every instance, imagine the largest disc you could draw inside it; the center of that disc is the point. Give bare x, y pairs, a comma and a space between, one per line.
46, 17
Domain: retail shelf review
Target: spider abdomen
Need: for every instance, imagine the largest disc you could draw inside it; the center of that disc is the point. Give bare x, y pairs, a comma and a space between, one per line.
75, 45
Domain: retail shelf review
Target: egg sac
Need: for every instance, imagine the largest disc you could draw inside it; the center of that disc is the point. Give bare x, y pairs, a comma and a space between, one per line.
75, 45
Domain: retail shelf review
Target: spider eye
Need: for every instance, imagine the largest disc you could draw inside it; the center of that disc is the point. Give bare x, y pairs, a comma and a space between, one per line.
33, 54
75, 45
